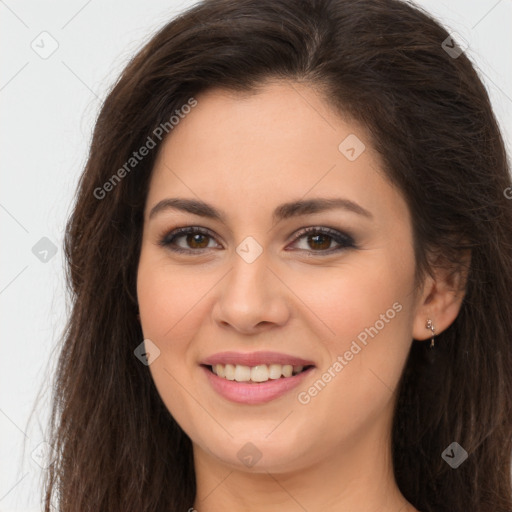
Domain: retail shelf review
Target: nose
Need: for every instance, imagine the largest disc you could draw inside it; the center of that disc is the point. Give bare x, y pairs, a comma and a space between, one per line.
251, 298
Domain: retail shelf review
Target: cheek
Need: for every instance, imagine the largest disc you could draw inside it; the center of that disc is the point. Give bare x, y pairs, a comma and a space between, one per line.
372, 294
369, 311
169, 300
164, 301
170, 309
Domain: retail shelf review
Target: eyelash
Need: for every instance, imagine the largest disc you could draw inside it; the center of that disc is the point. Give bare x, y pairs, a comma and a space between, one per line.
345, 241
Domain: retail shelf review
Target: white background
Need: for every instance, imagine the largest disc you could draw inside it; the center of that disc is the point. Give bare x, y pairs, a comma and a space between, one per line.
48, 110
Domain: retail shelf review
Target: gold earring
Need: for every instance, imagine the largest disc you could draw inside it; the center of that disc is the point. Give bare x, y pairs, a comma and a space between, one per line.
430, 325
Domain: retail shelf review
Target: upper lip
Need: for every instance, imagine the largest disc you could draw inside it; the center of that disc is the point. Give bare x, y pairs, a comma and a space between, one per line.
255, 359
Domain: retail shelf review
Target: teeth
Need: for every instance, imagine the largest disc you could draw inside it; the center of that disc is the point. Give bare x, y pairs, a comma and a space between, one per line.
229, 371
242, 373
287, 370
274, 371
259, 373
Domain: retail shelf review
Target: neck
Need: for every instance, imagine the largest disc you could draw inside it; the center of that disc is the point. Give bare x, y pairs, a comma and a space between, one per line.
357, 475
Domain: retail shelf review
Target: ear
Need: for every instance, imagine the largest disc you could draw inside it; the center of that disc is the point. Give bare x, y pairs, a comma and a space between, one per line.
441, 297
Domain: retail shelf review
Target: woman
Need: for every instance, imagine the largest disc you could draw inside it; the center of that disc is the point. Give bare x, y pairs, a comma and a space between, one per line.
291, 261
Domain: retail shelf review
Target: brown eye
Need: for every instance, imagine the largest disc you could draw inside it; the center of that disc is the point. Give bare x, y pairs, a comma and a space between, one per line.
188, 240
321, 239
197, 241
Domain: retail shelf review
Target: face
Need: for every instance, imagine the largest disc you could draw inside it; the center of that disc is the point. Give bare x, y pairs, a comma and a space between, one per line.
297, 258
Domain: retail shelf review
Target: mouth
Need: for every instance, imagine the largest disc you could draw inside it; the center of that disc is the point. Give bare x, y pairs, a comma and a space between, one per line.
255, 378
256, 374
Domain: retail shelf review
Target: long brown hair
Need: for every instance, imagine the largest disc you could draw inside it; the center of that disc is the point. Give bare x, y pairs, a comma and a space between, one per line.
383, 64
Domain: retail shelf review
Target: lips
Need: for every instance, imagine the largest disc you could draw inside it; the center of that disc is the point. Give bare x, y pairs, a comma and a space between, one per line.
257, 377
255, 359
255, 367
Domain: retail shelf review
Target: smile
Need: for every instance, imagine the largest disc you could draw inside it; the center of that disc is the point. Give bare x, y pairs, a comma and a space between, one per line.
254, 378
256, 374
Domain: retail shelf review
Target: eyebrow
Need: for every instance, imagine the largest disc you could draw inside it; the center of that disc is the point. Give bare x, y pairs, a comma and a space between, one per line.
283, 211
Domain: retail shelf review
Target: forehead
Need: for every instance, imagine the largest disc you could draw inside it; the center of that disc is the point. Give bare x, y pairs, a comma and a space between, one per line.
282, 142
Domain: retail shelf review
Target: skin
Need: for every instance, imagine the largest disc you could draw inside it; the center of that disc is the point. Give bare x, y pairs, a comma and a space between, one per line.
245, 154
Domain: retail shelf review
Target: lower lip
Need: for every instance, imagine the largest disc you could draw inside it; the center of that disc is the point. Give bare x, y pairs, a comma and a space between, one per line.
254, 393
